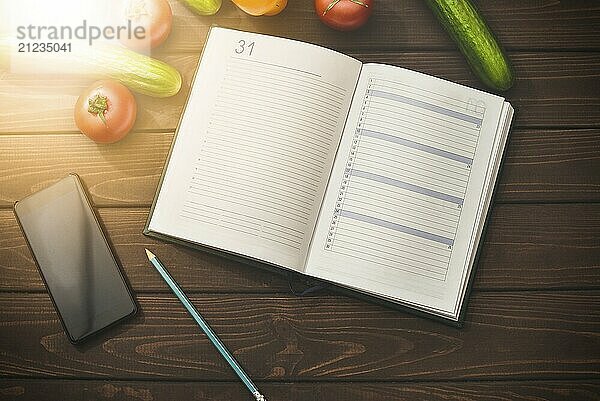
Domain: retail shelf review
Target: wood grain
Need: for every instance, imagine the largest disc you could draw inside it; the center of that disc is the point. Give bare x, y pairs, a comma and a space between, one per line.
125, 173
526, 247
551, 165
534, 246
407, 24
532, 330
513, 335
551, 89
97, 390
540, 165
41, 104
196, 271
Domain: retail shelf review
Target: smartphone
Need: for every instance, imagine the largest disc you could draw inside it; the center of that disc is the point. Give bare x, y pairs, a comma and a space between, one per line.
74, 258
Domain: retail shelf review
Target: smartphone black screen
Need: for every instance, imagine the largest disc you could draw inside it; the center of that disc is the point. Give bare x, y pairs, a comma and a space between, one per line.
74, 258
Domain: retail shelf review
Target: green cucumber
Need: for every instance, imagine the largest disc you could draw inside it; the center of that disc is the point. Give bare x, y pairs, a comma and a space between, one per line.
140, 73
475, 40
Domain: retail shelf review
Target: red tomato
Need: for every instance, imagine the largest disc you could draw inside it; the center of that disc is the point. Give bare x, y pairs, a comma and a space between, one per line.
155, 16
105, 111
344, 15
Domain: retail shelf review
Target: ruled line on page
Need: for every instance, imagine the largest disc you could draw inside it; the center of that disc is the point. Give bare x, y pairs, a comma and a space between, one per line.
426, 170
386, 259
436, 180
275, 226
416, 145
414, 216
251, 202
402, 126
283, 166
316, 134
428, 94
299, 95
426, 105
282, 214
431, 267
427, 263
399, 218
257, 179
422, 140
263, 187
265, 140
268, 194
276, 65
241, 93
412, 156
409, 206
418, 114
445, 141
263, 155
385, 121
278, 78
405, 179
427, 202
233, 169
283, 159
293, 69
237, 110
264, 228
288, 106
282, 85
400, 239
274, 187
408, 186
376, 205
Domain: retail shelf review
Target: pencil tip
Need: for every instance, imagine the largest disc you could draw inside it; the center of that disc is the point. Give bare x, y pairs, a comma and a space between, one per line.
150, 254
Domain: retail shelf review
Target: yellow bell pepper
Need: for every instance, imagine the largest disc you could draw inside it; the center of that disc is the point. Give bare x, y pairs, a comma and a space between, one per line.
261, 7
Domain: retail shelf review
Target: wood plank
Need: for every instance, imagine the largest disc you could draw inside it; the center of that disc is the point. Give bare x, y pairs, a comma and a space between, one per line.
508, 335
541, 246
550, 89
195, 270
540, 165
526, 247
96, 390
407, 25
551, 165
125, 173
558, 90
40, 103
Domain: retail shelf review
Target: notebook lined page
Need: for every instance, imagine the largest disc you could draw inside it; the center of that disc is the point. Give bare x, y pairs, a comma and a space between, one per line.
283, 144
421, 149
404, 179
256, 145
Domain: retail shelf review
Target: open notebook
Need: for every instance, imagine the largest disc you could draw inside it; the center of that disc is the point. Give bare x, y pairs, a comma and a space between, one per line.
370, 176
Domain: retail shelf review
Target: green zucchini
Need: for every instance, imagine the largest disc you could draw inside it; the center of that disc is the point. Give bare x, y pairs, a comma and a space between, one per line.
475, 40
204, 7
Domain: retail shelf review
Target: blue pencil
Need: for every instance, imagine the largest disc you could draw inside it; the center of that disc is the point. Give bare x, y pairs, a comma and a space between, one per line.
204, 326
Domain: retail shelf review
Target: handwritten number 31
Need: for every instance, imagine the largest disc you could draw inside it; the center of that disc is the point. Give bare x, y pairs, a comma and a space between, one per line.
244, 47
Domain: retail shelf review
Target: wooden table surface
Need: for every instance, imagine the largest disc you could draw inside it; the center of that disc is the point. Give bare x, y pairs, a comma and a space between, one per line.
533, 320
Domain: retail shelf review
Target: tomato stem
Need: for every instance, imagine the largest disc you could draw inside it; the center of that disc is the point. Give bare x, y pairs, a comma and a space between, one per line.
136, 10
334, 2
98, 105
330, 6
